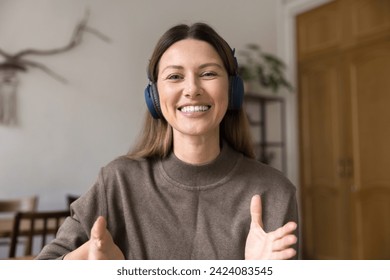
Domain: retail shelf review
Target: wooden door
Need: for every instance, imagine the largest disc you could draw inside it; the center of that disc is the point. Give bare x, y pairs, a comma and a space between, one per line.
324, 191
364, 21
344, 105
369, 88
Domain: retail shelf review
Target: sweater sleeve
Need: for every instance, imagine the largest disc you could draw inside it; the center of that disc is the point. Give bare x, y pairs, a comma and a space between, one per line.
292, 215
76, 229
280, 206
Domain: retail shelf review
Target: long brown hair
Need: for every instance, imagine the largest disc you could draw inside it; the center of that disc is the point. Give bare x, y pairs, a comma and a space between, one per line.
156, 138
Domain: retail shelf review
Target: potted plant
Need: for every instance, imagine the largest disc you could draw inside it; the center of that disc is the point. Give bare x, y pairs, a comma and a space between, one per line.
261, 68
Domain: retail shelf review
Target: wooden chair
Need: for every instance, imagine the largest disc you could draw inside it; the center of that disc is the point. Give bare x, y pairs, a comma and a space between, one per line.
8, 208
18, 204
70, 198
35, 224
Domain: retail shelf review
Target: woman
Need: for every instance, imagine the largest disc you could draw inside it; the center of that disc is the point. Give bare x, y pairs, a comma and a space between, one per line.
190, 189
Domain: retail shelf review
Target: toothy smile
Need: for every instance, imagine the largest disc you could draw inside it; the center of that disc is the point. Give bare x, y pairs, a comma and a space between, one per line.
192, 109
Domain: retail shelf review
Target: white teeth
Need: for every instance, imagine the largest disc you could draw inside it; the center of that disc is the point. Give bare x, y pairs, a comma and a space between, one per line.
191, 109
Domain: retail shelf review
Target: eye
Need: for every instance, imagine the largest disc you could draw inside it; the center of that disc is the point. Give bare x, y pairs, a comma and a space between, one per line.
174, 77
208, 74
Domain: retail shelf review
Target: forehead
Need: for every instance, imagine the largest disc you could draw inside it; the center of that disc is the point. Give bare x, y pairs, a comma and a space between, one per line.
191, 52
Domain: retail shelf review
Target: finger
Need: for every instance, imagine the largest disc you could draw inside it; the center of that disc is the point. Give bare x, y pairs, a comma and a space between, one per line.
101, 244
284, 254
98, 231
255, 209
284, 230
284, 243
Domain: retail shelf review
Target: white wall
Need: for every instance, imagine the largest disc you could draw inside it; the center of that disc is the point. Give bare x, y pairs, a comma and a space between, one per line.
66, 132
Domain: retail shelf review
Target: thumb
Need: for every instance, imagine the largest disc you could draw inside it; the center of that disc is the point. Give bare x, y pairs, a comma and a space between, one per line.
256, 211
98, 230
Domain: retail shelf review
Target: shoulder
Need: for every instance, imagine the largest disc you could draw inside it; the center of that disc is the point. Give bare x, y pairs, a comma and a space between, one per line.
124, 163
266, 175
124, 166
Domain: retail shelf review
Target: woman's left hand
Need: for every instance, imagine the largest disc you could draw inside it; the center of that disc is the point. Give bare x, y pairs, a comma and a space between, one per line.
274, 245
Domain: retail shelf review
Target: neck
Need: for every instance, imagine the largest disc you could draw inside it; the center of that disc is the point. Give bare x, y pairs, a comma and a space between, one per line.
196, 150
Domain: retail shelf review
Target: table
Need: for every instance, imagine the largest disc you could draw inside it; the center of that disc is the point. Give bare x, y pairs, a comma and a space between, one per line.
24, 258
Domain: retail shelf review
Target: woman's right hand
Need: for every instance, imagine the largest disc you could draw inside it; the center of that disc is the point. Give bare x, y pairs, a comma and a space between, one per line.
100, 246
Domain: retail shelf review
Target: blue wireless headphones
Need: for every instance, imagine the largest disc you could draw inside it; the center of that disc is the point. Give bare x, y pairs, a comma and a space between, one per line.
236, 95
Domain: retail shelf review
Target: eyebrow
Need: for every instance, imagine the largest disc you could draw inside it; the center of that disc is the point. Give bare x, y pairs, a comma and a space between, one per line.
211, 64
205, 65
172, 67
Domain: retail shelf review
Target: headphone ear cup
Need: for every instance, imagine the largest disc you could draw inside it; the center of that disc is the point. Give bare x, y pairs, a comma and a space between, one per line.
153, 101
236, 96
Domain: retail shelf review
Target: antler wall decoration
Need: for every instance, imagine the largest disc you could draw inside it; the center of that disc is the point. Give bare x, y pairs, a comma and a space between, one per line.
14, 63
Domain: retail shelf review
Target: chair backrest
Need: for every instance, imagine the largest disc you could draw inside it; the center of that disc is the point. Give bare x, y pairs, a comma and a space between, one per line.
70, 198
33, 224
19, 204
8, 208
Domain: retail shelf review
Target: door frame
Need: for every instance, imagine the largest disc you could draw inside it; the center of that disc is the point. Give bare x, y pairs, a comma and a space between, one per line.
287, 10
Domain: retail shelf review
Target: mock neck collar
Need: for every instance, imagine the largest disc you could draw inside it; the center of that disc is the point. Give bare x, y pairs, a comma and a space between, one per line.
207, 175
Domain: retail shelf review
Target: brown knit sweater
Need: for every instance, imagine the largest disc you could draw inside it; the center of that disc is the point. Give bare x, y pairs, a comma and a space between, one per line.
167, 209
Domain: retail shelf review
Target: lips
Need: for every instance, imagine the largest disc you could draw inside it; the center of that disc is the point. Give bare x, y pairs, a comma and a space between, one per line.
194, 108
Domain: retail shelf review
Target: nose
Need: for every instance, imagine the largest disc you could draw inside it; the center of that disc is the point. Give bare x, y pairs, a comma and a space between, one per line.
192, 87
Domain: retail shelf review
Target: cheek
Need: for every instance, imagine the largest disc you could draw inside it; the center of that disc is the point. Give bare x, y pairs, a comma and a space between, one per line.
167, 99
223, 98
163, 93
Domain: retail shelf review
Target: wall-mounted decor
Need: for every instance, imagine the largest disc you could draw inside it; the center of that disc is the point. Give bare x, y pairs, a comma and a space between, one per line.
8, 84
12, 64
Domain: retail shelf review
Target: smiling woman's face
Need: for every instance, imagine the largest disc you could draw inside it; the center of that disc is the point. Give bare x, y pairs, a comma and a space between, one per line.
193, 88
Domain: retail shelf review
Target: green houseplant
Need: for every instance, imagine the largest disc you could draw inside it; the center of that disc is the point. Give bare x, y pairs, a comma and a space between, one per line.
263, 68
